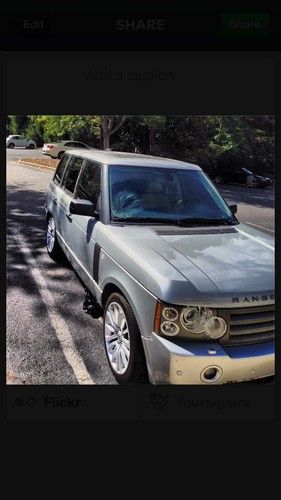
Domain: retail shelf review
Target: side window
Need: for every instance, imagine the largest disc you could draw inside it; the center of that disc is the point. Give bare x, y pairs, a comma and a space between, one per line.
71, 173
60, 169
88, 187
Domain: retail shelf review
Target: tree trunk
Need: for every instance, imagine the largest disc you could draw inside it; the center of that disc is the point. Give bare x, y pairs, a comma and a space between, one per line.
151, 140
105, 132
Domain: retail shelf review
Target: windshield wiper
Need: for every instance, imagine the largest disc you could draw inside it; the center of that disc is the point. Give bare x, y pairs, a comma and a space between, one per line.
157, 220
185, 221
180, 221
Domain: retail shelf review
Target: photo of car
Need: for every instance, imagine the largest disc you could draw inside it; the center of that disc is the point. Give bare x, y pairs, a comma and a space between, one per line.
19, 141
185, 290
57, 149
243, 176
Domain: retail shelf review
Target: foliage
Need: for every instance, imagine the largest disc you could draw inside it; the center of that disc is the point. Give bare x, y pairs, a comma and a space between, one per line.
205, 140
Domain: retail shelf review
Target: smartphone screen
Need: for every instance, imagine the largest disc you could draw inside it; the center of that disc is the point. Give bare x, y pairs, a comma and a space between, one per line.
142, 151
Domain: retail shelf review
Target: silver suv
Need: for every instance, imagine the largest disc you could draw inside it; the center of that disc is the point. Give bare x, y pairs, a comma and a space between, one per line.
186, 291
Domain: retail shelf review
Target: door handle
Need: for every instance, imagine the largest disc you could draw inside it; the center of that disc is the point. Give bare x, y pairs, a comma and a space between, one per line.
69, 217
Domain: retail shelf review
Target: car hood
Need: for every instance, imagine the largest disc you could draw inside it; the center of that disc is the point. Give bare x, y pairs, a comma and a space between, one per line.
212, 264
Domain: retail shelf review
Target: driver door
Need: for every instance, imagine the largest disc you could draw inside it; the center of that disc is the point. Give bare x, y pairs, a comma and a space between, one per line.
83, 227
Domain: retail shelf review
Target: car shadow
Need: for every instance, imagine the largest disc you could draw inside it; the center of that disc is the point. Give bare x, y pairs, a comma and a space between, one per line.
25, 214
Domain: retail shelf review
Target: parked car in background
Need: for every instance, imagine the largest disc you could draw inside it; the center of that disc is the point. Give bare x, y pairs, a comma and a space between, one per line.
186, 291
19, 141
222, 175
57, 149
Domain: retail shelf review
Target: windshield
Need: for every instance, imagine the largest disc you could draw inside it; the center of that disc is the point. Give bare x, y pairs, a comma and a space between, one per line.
168, 195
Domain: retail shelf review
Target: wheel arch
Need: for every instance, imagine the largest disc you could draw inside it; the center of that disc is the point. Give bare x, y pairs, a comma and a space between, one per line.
110, 288
48, 214
141, 302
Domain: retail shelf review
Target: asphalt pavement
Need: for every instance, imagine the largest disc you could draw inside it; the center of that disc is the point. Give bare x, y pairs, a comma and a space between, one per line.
20, 153
34, 342
50, 339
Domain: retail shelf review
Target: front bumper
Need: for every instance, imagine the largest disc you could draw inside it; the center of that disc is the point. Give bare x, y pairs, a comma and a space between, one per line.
180, 362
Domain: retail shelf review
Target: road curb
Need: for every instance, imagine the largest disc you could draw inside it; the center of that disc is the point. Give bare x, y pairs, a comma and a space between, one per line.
36, 165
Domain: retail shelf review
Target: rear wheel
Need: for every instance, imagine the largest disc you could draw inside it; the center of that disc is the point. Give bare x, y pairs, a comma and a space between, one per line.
53, 248
122, 341
11, 145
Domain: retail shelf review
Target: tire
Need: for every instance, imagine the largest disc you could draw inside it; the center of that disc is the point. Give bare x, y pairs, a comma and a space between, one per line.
60, 155
53, 248
132, 366
218, 179
11, 145
31, 146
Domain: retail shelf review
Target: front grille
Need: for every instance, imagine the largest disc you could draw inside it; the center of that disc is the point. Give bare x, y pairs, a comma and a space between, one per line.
249, 325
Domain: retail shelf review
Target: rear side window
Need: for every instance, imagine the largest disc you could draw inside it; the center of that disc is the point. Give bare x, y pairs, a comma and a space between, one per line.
71, 173
88, 187
60, 169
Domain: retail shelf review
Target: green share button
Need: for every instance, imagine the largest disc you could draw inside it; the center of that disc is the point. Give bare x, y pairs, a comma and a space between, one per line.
244, 24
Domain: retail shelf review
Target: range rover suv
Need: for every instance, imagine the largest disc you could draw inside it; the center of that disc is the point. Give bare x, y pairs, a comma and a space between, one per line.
186, 292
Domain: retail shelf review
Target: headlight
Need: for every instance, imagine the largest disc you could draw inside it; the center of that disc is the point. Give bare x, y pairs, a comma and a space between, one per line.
193, 318
169, 328
170, 313
192, 322
215, 327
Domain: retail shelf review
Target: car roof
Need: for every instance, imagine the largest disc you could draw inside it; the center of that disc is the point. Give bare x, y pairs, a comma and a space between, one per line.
120, 158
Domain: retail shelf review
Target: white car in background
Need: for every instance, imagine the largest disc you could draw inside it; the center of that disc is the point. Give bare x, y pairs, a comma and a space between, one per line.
57, 149
19, 141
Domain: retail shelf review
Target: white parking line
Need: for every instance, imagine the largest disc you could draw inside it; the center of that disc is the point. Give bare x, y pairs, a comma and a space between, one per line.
58, 323
260, 227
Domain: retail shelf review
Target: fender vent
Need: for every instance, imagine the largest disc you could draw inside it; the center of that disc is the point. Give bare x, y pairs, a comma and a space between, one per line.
96, 262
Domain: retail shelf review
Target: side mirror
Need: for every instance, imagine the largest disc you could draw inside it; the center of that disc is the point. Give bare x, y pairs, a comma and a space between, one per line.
233, 209
83, 207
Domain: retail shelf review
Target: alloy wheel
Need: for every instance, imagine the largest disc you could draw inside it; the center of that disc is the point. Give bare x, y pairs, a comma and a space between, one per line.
51, 231
117, 338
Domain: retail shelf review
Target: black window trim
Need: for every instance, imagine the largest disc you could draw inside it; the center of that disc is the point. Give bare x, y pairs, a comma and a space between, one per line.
58, 183
99, 166
69, 193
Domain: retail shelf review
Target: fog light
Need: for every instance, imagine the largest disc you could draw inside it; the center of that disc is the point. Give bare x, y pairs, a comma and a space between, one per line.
169, 328
211, 374
215, 327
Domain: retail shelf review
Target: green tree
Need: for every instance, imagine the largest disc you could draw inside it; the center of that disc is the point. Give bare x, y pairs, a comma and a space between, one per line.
154, 123
17, 124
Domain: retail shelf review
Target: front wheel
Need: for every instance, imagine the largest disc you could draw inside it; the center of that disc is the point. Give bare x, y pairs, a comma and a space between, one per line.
53, 248
11, 145
122, 341
31, 146
60, 155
